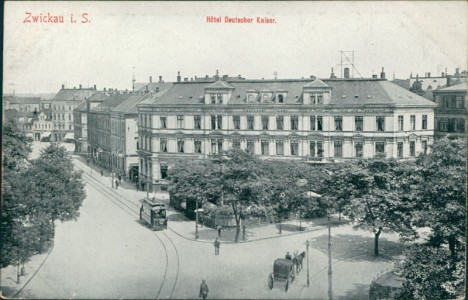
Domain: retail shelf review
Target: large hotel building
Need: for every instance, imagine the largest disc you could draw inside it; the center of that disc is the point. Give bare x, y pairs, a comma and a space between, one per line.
326, 120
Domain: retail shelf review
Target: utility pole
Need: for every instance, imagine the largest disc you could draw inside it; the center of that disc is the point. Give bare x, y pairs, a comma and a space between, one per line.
330, 290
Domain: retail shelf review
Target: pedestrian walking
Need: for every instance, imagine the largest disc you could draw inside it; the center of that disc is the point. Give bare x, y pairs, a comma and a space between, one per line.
219, 230
102, 172
138, 186
217, 243
116, 184
203, 290
120, 178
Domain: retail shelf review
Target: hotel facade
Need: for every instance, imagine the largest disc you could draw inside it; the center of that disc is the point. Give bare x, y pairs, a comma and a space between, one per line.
327, 120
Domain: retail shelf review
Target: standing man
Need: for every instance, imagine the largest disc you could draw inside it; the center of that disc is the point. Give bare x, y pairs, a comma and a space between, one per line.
203, 290
217, 243
219, 230
120, 177
138, 186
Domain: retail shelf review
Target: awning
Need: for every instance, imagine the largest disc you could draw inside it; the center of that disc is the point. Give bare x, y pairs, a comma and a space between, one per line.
46, 134
69, 136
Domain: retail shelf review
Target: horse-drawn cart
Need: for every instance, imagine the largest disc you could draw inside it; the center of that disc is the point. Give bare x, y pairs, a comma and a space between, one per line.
283, 271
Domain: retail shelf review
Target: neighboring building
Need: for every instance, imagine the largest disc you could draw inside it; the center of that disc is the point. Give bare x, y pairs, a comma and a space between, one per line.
80, 121
42, 125
62, 106
113, 127
302, 119
434, 82
99, 128
451, 112
22, 119
22, 104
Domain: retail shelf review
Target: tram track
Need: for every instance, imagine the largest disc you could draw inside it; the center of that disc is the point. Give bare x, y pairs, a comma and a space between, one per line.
165, 290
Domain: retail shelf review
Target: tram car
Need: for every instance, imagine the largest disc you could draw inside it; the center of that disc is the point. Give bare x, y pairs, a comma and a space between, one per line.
153, 214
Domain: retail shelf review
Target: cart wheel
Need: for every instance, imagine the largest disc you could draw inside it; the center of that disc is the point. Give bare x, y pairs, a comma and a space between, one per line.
286, 287
270, 281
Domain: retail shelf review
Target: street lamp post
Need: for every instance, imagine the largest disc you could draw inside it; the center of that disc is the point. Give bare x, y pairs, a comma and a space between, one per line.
307, 247
196, 220
330, 291
300, 183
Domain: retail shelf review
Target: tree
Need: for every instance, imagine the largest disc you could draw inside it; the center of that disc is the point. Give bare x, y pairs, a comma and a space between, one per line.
435, 268
35, 194
58, 186
244, 183
15, 147
374, 202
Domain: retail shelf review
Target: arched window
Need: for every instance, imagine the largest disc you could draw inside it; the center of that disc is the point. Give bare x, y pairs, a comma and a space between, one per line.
250, 98
266, 97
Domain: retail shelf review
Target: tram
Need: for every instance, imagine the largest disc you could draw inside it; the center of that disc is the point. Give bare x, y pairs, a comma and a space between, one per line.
153, 214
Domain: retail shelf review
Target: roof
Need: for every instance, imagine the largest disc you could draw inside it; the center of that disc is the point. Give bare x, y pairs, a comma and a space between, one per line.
22, 100
129, 104
73, 94
461, 87
317, 83
112, 101
352, 92
220, 85
13, 113
154, 97
152, 86
99, 96
82, 107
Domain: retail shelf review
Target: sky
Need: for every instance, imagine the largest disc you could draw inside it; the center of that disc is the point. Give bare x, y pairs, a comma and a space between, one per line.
155, 39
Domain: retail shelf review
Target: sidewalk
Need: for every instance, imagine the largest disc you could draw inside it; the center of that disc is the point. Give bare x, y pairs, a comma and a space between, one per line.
185, 228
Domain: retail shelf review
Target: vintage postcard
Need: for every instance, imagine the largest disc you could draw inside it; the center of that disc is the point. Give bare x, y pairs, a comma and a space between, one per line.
234, 149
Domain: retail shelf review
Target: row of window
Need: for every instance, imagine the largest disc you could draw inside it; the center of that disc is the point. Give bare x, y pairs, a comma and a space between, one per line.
62, 107
62, 126
316, 123
451, 124
42, 126
315, 147
57, 117
452, 102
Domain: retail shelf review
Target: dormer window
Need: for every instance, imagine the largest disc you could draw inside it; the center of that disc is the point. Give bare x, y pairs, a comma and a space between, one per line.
216, 98
320, 98
250, 98
265, 98
280, 98
312, 98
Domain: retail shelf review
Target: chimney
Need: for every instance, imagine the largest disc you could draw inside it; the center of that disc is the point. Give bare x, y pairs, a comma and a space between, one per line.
429, 74
94, 87
374, 76
104, 89
63, 86
225, 77
332, 74
449, 80
178, 76
457, 71
206, 76
382, 74
191, 78
80, 86
74, 87
151, 79
346, 72
239, 76
443, 74
160, 78
186, 79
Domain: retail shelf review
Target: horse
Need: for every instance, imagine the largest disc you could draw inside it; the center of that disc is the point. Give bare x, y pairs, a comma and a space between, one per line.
297, 260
